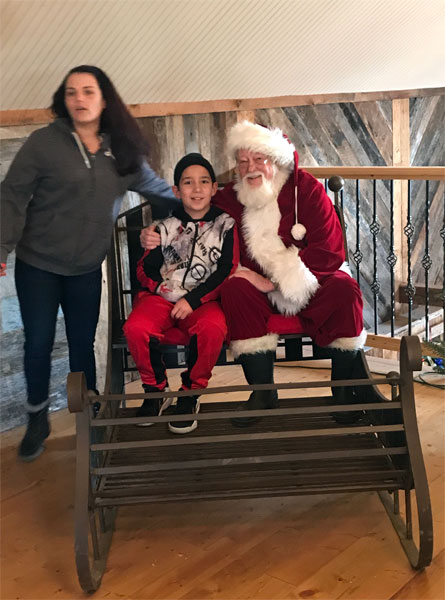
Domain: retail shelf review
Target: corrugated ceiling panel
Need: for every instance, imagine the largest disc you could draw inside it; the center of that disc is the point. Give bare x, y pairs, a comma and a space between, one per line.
191, 50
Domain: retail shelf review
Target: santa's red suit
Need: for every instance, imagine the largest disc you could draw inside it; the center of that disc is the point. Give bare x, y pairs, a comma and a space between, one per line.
296, 242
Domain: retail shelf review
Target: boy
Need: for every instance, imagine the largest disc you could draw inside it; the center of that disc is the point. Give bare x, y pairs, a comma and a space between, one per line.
181, 280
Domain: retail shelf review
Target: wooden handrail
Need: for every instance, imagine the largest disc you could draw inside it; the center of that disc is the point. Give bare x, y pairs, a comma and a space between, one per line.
384, 342
398, 173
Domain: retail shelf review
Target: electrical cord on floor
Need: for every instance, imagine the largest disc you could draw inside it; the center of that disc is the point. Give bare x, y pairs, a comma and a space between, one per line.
420, 379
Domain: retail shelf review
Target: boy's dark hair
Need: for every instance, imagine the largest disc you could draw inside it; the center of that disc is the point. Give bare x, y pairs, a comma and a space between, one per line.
128, 145
194, 158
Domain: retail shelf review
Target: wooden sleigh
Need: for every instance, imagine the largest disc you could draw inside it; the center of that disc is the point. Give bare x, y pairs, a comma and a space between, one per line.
296, 449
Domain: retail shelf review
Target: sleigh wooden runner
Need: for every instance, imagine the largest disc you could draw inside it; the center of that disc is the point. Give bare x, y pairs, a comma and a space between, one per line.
296, 449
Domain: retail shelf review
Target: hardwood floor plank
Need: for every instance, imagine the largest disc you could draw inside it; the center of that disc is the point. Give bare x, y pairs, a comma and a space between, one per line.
372, 567
426, 584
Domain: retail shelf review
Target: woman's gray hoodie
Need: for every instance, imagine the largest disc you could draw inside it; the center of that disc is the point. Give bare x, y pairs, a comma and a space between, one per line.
59, 203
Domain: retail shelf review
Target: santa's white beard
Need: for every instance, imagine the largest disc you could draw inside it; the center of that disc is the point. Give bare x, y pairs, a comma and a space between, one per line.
259, 196
295, 284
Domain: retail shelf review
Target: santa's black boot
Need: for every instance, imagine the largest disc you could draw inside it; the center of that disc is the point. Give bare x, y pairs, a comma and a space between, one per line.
343, 368
257, 368
36, 433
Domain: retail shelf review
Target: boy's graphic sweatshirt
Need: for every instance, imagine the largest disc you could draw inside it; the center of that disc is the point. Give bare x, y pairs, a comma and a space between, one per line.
193, 259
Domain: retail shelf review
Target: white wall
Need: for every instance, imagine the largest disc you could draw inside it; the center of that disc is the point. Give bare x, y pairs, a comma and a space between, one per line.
191, 50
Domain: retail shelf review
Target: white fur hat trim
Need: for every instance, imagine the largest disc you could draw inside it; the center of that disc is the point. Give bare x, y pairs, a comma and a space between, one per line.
257, 138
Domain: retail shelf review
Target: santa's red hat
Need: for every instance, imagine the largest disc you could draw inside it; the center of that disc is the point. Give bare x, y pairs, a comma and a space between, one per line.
274, 144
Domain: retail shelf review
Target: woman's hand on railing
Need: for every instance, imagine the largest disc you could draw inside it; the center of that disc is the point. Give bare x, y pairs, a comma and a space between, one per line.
149, 238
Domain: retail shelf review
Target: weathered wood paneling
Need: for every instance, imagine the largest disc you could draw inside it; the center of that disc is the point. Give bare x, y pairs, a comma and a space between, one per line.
172, 137
427, 133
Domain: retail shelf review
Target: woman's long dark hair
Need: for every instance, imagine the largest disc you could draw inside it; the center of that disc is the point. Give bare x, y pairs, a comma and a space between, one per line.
128, 145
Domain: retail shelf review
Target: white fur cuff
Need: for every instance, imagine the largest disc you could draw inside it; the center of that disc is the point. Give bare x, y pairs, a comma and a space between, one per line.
264, 343
352, 343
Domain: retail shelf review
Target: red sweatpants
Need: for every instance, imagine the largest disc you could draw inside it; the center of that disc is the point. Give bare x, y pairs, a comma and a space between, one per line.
335, 310
144, 330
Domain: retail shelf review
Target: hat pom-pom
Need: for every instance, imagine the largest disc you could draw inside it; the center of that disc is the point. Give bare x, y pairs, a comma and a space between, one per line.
298, 231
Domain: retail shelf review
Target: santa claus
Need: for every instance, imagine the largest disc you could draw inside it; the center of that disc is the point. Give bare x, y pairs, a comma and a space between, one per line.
292, 257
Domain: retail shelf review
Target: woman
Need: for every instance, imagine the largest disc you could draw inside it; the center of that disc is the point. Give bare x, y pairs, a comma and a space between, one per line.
59, 202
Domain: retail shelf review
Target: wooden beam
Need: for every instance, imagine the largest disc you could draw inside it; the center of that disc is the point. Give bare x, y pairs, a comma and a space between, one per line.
245, 115
400, 158
383, 342
42, 115
419, 296
428, 173
400, 126
34, 116
431, 173
388, 343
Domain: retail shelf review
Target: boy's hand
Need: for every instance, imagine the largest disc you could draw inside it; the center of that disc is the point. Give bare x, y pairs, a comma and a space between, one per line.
261, 283
149, 238
2, 269
181, 309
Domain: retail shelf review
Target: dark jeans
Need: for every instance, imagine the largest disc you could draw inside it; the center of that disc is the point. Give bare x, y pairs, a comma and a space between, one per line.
40, 294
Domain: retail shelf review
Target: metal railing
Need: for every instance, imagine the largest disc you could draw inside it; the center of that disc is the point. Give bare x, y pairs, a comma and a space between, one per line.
392, 216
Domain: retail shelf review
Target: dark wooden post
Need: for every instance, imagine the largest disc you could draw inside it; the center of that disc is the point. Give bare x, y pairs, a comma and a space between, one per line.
336, 184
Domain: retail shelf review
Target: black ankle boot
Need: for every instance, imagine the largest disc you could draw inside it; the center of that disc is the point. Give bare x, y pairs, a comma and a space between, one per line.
36, 433
257, 368
343, 367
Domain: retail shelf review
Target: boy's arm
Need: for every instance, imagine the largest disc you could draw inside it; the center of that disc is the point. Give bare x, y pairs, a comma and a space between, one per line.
227, 264
149, 269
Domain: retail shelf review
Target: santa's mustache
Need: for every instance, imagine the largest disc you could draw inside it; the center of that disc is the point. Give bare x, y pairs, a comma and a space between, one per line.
253, 175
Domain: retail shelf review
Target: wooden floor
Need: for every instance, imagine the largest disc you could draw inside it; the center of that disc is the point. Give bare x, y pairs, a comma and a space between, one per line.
319, 547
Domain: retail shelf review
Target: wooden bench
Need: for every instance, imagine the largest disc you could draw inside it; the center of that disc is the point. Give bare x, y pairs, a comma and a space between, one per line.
296, 449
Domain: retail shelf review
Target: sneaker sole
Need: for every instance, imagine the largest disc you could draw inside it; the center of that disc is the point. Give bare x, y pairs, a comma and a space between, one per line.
167, 402
188, 429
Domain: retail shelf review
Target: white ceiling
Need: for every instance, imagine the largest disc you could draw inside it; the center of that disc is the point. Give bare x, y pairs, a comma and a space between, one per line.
192, 50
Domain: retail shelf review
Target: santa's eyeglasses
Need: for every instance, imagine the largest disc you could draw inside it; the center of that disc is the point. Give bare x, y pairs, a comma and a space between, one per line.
258, 161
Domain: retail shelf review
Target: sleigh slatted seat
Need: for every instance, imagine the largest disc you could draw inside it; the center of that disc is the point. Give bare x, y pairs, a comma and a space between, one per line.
296, 449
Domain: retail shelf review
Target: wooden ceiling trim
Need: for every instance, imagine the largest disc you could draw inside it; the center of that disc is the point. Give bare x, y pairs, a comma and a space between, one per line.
162, 109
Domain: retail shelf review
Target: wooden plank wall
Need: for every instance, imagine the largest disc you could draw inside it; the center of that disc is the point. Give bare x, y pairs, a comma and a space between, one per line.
427, 133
